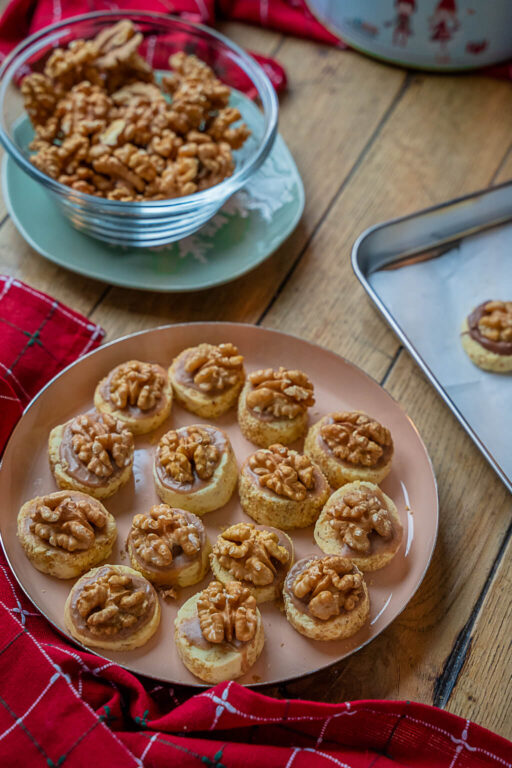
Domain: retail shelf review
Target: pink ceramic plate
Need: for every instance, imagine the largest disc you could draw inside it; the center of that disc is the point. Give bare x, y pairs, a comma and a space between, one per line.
338, 386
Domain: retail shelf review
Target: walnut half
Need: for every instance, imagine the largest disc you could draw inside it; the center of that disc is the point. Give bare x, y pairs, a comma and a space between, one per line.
284, 471
158, 535
356, 438
329, 585
215, 368
67, 523
136, 384
227, 612
101, 442
356, 515
281, 393
112, 603
188, 451
496, 322
251, 554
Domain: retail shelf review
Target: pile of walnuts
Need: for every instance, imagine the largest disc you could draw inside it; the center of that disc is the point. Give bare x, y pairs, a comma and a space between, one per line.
103, 126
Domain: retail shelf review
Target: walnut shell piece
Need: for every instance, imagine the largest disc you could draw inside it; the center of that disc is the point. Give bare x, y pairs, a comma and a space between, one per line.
188, 452
356, 438
280, 394
227, 612
329, 586
251, 554
285, 472
67, 523
162, 534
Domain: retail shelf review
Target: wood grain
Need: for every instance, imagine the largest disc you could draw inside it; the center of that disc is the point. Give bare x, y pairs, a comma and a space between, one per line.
326, 141
434, 146
484, 688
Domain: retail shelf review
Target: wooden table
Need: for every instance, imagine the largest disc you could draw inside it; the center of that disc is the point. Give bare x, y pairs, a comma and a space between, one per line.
371, 142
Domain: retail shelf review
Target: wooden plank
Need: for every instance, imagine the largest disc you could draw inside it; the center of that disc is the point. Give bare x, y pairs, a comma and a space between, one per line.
19, 260
483, 691
434, 146
333, 106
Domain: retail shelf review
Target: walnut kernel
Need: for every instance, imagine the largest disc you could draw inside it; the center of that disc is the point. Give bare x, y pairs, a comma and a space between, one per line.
356, 438
251, 554
189, 451
281, 393
284, 471
156, 536
136, 384
356, 515
227, 612
215, 368
112, 603
67, 523
101, 442
496, 322
329, 585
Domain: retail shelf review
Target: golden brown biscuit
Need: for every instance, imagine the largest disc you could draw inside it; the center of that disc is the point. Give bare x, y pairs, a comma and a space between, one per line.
65, 533
195, 468
207, 379
326, 598
169, 546
273, 406
92, 453
219, 633
350, 446
282, 488
487, 336
360, 523
138, 394
112, 607
258, 557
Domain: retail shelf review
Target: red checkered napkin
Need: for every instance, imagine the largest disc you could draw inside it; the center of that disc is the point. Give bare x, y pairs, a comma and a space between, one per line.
39, 337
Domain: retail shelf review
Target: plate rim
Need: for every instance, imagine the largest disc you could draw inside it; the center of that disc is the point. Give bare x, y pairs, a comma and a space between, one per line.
165, 329
155, 286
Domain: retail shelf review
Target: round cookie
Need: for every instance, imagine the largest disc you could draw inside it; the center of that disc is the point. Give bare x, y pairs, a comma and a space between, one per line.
207, 379
360, 523
92, 453
338, 610
282, 488
273, 406
65, 533
137, 394
257, 556
214, 651
195, 468
112, 607
486, 336
169, 546
350, 446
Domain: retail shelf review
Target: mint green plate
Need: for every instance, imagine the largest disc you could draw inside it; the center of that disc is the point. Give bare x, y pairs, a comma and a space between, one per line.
246, 231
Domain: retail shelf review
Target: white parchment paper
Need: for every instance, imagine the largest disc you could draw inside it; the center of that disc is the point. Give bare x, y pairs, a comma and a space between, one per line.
430, 300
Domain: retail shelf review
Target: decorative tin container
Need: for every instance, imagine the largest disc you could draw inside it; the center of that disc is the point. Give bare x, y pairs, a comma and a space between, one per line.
427, 34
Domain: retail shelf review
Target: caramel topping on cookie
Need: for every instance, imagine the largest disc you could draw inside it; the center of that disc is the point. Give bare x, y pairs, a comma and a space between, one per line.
101, 443
356, 516
286, 472
136, 384
329, 585
226, 612
112, 603
186, 451
356, 438
67, 523
251, 554
159, 535
280, 393
215, 368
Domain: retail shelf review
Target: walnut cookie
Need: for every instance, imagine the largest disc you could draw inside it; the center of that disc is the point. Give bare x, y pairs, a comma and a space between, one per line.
326, 598
65, 533
219, 632
207, 379
486, 336
137, 394
195, 468
273, 406
256, 556
360, 523
92, 453
169, 546
112, 607
282, 488
350, 446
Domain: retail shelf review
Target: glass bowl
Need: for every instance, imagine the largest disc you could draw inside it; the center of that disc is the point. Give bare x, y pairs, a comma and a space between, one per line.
150, 223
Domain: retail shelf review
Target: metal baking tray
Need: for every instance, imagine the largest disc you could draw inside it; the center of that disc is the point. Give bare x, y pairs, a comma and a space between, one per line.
425, 273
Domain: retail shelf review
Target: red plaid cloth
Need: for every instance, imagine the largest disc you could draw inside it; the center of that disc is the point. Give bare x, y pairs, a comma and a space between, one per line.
61, 706
38, 338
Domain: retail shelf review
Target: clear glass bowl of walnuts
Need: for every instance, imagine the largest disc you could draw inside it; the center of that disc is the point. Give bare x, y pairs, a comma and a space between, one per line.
139, 125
